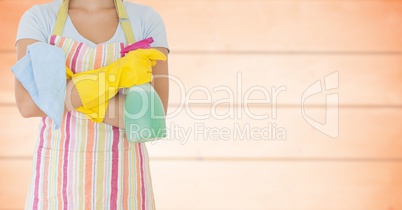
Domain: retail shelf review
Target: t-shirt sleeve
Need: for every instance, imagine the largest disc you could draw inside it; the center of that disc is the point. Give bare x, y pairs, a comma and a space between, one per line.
30, 27
155, 27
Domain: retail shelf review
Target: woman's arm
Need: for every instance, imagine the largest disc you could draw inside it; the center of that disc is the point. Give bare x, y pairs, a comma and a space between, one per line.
161, 81
115, 111
25, 104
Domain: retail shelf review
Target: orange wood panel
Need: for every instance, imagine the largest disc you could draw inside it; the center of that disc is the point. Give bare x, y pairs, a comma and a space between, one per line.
363, 80
10, 14
256, 25
239, 185
277, 185
363, 133
14, 182
18, 134
7, 78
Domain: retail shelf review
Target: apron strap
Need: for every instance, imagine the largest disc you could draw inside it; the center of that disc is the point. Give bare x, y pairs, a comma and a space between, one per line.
124, 21
61, 18
121, 12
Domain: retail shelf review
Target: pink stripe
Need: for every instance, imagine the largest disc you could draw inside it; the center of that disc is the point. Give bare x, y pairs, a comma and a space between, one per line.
81, 51
65, 165
121, 47
142, 177
38, 161
74, 60
115, 168
52, 40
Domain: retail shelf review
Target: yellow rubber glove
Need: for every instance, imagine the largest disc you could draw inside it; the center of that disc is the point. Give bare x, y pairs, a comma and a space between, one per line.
97, 86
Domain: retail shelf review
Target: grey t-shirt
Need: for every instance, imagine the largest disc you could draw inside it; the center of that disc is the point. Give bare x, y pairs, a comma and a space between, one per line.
38, 23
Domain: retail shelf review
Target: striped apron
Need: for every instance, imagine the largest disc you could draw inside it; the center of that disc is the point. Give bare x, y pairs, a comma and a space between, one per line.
87, 165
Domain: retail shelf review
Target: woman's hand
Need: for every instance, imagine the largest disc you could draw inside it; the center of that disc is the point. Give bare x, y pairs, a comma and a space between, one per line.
73, 99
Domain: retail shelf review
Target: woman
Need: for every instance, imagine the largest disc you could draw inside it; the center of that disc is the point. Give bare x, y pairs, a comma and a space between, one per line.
88, 165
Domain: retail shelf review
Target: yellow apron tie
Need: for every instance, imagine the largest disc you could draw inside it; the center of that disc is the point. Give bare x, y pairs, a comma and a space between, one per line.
121, 12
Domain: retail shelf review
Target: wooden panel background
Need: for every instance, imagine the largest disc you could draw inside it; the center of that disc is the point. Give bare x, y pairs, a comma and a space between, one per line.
271, 43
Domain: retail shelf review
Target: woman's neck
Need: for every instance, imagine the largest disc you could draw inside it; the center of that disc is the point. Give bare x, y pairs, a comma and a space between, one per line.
91, 5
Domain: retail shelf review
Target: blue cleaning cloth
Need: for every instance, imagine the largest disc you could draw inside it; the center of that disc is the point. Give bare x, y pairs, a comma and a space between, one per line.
42, 72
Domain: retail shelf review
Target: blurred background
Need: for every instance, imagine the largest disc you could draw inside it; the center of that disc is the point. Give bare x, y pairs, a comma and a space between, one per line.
274, 105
